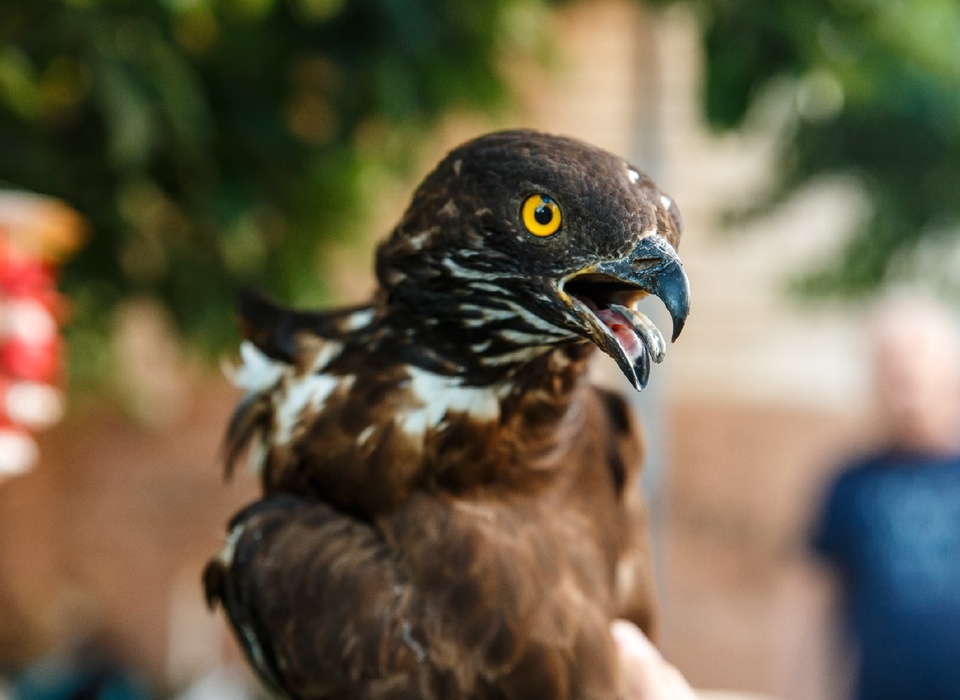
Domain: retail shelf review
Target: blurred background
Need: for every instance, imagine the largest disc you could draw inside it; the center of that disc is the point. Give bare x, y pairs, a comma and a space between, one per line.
155, 156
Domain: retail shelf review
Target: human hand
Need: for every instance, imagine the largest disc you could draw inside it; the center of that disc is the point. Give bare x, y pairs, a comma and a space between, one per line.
646, 674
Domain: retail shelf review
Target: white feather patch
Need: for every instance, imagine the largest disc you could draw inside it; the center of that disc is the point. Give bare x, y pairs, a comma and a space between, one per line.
417, 240
439, 395
257, 372
486, 287
531, 319
519, 355
230, 545
489, 313
464, 272
258, 456
311, 391
365, 434
327, 353
359, 319
518, 337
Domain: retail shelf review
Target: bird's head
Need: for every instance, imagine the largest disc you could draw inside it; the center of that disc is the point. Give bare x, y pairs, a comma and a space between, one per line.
520, 241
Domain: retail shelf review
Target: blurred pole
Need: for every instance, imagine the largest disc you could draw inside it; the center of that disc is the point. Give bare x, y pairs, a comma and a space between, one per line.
648, 153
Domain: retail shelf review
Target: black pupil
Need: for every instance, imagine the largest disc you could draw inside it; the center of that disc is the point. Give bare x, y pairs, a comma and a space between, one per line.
543, 214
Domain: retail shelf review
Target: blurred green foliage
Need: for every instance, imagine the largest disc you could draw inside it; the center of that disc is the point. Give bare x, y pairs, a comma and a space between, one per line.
875, 86
217, 143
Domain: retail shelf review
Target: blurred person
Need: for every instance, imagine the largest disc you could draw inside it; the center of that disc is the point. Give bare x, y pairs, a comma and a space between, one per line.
86, 660
91, 670
647, 675
890, 526
221, 683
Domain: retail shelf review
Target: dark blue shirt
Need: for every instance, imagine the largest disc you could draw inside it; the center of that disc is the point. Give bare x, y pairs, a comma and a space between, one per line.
891, 526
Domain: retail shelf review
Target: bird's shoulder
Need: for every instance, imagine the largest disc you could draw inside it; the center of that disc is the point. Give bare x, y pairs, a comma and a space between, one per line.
280, 333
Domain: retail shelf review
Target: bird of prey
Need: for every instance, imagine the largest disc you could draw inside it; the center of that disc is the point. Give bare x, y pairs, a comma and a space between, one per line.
450, 508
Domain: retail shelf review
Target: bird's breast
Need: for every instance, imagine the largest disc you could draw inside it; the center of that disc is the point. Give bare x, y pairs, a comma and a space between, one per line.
365, 437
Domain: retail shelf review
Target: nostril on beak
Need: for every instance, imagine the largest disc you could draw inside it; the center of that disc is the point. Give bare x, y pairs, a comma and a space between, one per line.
641, 264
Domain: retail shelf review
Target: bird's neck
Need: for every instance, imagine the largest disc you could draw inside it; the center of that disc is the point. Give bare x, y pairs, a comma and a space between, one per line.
451, 370
391, 420
513, 430
482, 342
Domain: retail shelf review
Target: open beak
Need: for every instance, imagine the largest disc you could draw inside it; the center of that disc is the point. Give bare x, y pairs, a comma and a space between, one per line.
605, 296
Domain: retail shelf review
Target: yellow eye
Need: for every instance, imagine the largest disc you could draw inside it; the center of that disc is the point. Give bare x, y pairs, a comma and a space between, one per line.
541, 215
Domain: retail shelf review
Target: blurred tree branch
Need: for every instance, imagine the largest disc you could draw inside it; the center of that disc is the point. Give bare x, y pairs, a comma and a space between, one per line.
217, 143
875, 87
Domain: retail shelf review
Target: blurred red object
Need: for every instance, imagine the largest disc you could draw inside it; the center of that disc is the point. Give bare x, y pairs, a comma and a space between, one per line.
35, 234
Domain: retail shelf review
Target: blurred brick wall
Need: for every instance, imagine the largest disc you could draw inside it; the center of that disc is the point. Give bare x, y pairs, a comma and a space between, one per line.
102, 530
742, 607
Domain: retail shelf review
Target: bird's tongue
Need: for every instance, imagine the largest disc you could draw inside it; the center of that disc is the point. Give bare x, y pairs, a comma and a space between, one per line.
626, 337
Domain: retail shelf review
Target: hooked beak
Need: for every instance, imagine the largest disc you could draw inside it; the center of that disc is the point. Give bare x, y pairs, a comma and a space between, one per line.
605, 296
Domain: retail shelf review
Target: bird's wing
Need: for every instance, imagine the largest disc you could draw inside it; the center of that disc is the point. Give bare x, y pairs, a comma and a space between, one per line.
282, 347
447, 599
635, 585
274, 328
315, 598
